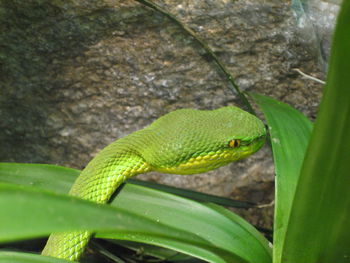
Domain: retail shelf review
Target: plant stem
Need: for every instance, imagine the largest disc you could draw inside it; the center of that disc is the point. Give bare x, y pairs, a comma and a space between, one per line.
233, 86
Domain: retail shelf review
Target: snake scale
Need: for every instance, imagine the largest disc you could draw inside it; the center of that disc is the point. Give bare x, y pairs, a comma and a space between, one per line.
185, 141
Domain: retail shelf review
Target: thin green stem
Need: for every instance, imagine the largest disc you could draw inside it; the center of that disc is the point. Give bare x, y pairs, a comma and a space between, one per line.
233, 86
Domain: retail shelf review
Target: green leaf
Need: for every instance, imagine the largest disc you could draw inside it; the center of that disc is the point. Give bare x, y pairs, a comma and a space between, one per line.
45, 212
45, 176
207, 221
38, 174
183, 225
193, 194
19, 257
289, 131
318, 229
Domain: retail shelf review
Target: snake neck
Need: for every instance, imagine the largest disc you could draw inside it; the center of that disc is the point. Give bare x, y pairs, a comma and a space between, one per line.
97, 183
103, 175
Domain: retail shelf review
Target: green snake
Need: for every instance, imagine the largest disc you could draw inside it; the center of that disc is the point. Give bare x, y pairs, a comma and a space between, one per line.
185, 141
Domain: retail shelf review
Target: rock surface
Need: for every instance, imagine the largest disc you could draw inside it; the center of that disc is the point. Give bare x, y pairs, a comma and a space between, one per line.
76, 75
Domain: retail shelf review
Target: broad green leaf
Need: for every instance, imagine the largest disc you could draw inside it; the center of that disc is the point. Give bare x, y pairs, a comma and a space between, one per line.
45, 176
319, 225
28, 212
193, 194
232, 234
212, 226
289, 131
38, 174
19, 257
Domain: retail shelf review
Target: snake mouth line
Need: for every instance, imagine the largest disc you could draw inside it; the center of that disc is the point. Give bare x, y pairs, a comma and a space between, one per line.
212, 160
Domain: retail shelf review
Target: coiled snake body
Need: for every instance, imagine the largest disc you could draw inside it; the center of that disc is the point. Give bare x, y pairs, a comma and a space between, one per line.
184, 141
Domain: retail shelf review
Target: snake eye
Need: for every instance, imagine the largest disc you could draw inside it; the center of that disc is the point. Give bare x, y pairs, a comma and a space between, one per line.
234, 143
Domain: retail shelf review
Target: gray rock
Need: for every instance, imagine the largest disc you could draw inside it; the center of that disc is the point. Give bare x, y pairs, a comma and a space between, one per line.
315, 24
76, 75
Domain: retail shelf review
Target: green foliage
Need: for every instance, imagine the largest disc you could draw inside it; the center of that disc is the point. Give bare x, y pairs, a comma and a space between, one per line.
320, 216
312, 193
137, 214
60, 179
18, 257
290, 132
314, 226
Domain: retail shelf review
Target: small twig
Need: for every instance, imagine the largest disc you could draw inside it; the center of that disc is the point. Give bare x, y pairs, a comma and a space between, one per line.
266, 205
309, 77
234, 87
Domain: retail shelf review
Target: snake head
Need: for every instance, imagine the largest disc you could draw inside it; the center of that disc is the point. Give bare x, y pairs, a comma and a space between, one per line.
192, 141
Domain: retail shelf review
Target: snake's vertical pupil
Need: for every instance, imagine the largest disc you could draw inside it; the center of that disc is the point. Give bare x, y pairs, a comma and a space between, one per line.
234, 143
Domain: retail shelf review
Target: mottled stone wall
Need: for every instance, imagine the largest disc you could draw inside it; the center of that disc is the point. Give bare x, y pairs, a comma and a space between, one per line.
76, 75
